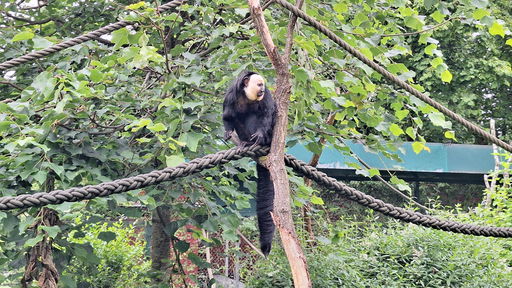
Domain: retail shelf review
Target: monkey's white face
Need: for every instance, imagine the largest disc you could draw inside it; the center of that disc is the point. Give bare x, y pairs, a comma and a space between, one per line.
255, 88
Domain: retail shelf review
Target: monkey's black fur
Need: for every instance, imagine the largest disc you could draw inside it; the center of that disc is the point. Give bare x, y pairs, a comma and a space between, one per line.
253, 122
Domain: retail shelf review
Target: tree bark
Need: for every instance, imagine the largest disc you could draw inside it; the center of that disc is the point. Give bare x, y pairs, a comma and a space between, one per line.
160, 245
275, 161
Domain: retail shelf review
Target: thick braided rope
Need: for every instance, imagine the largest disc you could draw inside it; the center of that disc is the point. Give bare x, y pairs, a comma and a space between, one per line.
472, 127
209, 161
79, 40
130, 183
390, 210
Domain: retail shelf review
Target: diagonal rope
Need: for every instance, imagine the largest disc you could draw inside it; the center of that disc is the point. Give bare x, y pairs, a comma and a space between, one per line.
80, 39
469, 125
390, 210
131, 183
221, 157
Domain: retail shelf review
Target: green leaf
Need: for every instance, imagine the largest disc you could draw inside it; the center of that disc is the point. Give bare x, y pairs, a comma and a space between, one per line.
96, 76
51, 230
410, 132
59, 170
174, 160
182, 246
67, 281
417, 147
107, 236
317, 200
509, 42
340, 7
143, 140
241, 11
198, 261
136, 6
191, 139
429, 50
396, 130
436, 62
374, 172
32, 242
301, 74
480, 13
429, 3
438, 119
120, 37
324, 240
158, 127
306, 44
41, 43
480, 3
25, 35
438, 16
397, 68
367, 52
40, 176
450, 135
401, 114
497, 29
195, 78
86, 253
6, 125
413, 22
446, 76
44, 83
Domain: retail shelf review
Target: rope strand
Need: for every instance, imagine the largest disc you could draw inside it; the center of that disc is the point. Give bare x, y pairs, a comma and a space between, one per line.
79, 40
221, 157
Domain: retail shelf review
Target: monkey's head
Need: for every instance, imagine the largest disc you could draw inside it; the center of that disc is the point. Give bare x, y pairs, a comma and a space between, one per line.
254, 87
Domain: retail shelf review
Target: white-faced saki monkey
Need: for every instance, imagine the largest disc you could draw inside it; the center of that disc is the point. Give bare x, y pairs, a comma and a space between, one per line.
250, 111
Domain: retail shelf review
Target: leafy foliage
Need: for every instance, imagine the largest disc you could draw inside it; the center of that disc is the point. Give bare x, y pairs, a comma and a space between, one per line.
396, 256
118, 260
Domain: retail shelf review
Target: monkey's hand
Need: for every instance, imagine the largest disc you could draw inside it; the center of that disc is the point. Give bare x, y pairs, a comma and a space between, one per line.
228, 134
257, 138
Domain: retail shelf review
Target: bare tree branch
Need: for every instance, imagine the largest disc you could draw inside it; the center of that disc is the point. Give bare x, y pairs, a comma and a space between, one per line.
289, 35
12, 85
31, 22
281, 214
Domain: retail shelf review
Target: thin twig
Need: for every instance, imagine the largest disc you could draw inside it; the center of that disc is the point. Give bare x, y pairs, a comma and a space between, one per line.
203, 90
93, 120
289, 35
31, 22
423, 31
12, 85
389, 185
250, 243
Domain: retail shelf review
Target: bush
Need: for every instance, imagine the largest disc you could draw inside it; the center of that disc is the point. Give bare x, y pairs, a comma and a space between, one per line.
397, 256
117, 258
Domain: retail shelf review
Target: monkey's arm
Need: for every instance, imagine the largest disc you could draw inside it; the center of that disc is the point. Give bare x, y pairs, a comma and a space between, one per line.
228, 120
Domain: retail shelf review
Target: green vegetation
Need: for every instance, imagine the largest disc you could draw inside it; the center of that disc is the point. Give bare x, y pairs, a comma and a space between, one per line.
117, 258
397, 255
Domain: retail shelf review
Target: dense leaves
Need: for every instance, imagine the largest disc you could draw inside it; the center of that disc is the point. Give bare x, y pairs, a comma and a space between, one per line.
395, 256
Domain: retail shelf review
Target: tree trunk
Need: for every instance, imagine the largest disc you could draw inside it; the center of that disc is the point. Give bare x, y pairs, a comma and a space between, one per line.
160, 245
275, 162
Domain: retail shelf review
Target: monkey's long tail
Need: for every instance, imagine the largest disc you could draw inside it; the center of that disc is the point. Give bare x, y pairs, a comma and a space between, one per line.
265, 204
